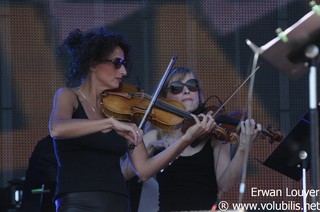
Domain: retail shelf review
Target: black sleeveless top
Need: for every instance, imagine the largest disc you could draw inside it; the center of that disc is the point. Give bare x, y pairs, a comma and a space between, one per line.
189, 183
91, 162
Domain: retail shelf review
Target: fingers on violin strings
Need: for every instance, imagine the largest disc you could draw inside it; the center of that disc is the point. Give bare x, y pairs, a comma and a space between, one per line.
242, 125
136, 141
210, 113
205, 122
252, 122
249, 122
254, 127
196, 118
247, 125
259, 127
204, 118
139, 131
135, 134
140, 134
211, 122
250, 126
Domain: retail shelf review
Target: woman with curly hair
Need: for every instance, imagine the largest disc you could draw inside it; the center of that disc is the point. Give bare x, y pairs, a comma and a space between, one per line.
88, 145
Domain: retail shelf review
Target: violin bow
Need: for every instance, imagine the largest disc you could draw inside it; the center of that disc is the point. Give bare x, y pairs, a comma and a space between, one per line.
155, 96
227, 100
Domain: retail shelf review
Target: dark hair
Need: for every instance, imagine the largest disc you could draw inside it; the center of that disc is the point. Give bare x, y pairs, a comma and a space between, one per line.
90, 48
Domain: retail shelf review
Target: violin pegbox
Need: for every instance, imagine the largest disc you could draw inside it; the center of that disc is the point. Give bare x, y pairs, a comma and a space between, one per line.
271, 135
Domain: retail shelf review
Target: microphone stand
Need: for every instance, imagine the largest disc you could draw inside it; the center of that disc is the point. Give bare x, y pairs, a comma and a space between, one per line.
303, 155
312, 52
284, 52
250, 92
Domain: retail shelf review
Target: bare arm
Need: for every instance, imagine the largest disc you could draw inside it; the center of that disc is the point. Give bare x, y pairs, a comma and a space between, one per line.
63, 126
228, 171
146, 167
126, 167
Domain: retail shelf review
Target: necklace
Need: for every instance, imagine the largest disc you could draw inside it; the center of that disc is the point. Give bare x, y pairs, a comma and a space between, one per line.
85, 98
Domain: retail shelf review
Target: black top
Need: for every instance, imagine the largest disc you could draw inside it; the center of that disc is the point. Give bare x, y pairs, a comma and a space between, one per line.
42, 167
91, 162
189, 183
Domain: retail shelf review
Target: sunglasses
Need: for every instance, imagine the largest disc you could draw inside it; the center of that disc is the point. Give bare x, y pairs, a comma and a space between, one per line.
118, 62
176, 87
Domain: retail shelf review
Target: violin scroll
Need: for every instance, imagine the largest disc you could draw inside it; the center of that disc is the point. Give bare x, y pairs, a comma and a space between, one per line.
270, 135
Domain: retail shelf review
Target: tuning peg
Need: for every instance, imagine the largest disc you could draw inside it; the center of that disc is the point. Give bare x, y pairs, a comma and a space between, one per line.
315, 7
283, 37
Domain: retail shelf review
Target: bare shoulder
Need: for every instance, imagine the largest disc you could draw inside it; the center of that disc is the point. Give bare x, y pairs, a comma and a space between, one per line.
65, 91
66, 95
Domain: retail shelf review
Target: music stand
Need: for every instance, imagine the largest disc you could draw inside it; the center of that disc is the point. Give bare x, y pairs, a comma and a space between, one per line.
291, 156
285, 158
289, 56
293, 52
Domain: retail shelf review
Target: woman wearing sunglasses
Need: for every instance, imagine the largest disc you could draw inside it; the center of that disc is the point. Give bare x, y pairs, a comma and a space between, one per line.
88, 146
193, 180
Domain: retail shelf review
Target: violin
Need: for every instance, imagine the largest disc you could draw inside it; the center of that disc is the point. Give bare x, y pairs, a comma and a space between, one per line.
131, 106
126, 104
228, 127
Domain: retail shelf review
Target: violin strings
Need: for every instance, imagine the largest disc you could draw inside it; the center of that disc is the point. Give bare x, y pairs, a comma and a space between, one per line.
170, 108
182, 113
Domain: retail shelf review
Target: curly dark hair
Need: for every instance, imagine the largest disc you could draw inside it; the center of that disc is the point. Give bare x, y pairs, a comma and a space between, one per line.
91, 48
